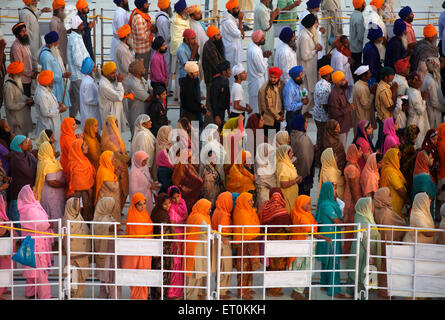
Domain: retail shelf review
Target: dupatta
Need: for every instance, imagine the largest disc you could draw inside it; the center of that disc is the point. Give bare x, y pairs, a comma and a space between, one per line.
47, 164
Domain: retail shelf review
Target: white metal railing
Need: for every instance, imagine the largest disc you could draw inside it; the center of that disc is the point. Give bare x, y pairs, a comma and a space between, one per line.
413, 269
12, 277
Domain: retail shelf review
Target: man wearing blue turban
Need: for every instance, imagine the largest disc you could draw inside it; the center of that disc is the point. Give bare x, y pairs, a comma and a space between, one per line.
397, 45
312, 6
407, 15
371, 54
89, 103
51, 59
285, 54
292, 98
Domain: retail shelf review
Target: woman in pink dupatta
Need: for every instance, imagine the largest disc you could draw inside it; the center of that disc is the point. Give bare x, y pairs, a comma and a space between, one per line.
389, 130
141, 180
5, 261
369, 179
30, 209
178, 215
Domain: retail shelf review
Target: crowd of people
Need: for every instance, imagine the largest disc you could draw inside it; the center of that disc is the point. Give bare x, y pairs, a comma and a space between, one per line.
245, 174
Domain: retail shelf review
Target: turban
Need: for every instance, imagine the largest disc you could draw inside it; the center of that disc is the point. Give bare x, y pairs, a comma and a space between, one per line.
327, 69
140, 3
75, 22
375, 32
163, 4
17, 28
212, 31
191, 66
286, 34
294, 72
358, 3
188, 34
402, 64
180, 6
15, 67
157, 43
45, 77
275, 71
109, 67
399, 27
386, 71
57, 4
51, 37
194, 8
308, 21
405, 12
223, 66
81, 4
123, 31
337, 76
232, 4
87, 65
158, 90
429, 31
361, 70
237, 69
376, 3
257, 35
117, 2
313, 4
27, 2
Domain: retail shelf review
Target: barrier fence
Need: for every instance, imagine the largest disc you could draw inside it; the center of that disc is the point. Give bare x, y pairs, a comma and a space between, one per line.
92, 266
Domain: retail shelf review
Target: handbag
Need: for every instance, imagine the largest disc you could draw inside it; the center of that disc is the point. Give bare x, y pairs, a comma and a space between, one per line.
25, 255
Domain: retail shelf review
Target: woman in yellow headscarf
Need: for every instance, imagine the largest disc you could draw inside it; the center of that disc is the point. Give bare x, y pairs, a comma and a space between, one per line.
107, 184
239, 179
50, 182
92, 138
287, 176
330, 172
392, 177
111, 141
244, 215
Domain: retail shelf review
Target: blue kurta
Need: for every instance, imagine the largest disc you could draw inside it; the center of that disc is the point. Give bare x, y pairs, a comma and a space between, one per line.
48, 61
371, 57
394, 51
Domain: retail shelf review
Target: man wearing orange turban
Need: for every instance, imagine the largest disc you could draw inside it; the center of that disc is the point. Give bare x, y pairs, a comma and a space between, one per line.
120, 19
57, 24
17, 104
423, 49
82, 12
46, 105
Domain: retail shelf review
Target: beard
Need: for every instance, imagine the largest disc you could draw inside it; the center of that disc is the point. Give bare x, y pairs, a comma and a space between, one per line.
145, 10
197, 19
162, 50
23, 40
219, 46
184, 15
293, 45
299, 82
33, 8
404, 39
18, 80
314, 32
235, 14
126, 7
345, 86
409, 19
55, 51
169, 12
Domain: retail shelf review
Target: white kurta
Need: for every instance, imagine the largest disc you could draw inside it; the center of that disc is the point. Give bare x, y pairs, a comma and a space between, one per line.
403, 86
339, 62
262, 22
435, 102
144, 140
123, 58
285, 59
89, 103
47, 108
32, 29
417, 114
201, 35
256, 73
307, 57
120, 18
110, 101
232, 39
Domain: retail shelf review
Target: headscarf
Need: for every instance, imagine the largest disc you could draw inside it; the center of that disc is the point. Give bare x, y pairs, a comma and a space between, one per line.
72, 212
361, 133
43, 137
440, 148
92, 140
363, 207
283, 156
352, 154
245, 215
430, 147
162, 140
81, 171
136, 216
111, 136
31, 210
329, 171
67, 137
103, 213
273, 211
149, 140
326, 200
299, 217
391, 138
47, 164
390, 166
282, 138
369, 178
198, 215
420, 213
331, 139
140, 178
3, 215
178, 211
258, 133
16, 142
105, 171
421, 165
223, 212
239, 179
408, 149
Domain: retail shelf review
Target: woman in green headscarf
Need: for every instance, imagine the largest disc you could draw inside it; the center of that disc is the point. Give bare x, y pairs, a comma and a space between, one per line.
329, 213
364, 209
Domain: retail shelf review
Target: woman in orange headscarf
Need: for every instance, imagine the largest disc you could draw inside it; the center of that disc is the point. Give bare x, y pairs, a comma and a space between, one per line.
92, 138
107, 184
200, 214
81, 177
441, 150
111, 141
244, 215
67, 137
239, 179
138, 214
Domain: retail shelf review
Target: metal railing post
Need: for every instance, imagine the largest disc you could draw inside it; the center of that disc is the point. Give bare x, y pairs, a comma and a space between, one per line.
368, 258
68, 257
102, 36
60, 239
94, 36
218, 263
209, 270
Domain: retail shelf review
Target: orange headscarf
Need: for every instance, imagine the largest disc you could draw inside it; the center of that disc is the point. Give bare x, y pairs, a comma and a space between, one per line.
105, 171
301, 217
82, 172
441, 149
111, 136
245, 215
67, 137
136, 216
90, 137
198, 215
421, 165
239, 179
223, 212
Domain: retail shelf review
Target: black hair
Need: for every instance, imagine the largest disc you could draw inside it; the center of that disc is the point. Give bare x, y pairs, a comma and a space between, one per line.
378, 157
173, 191
49, 133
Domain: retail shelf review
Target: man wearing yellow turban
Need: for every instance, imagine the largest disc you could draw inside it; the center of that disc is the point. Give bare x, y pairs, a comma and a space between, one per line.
111, 94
